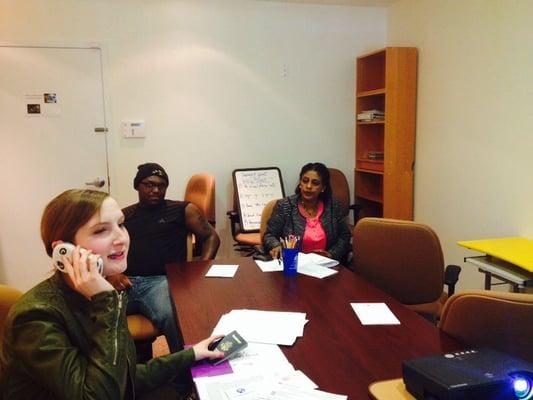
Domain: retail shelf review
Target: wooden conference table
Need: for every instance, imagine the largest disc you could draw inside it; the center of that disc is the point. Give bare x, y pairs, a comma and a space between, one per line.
338, 353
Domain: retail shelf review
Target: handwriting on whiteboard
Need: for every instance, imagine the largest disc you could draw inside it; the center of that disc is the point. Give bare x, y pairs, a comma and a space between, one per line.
255, 189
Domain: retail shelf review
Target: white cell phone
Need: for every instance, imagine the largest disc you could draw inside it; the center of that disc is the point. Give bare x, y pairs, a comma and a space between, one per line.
66, 249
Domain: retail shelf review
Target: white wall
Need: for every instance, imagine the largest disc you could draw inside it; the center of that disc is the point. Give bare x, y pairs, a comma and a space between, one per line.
474, 163
221, 84
210, 83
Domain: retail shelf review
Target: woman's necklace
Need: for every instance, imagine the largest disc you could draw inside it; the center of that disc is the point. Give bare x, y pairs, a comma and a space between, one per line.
310, 211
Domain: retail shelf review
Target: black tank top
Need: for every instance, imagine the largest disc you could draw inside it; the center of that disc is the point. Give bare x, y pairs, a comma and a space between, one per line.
158, 235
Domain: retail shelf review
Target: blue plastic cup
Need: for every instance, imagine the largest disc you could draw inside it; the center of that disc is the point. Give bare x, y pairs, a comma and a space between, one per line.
290, 261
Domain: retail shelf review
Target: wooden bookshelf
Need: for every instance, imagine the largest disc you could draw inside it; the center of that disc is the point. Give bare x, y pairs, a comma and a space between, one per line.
386, 81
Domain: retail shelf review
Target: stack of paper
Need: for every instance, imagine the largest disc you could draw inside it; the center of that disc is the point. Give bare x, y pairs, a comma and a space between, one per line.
313, 264
257, 357
267, 376
293, 386
263, 326
261, 371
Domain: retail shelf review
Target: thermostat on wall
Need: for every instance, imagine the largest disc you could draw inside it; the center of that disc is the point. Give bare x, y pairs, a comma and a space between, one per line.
133, 129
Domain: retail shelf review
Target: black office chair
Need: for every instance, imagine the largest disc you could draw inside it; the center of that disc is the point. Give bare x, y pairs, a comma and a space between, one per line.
245, 242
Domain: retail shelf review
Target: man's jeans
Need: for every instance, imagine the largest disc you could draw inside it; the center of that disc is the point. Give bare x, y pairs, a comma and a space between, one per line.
150, 296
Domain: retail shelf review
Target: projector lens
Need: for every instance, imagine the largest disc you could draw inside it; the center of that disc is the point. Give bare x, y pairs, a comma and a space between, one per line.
522, 388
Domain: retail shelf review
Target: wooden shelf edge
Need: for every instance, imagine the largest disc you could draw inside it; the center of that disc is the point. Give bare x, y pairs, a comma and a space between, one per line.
379, 121
369, 171
373, 53
374, 92
375, 199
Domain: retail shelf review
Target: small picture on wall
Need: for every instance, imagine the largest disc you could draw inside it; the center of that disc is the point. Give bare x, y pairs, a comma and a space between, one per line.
50, 98
34, 108
43, 104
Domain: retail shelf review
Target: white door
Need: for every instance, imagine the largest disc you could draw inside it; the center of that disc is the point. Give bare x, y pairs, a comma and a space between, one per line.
51, 101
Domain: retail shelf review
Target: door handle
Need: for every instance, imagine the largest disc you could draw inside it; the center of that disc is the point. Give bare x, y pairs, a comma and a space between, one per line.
97, 182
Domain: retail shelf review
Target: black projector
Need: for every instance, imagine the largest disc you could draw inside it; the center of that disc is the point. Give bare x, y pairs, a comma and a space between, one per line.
482, 374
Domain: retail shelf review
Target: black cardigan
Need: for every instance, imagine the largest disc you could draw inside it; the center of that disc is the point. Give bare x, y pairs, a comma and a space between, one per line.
286, 220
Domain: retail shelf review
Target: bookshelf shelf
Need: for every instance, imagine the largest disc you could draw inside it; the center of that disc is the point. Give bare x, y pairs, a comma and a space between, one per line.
381, 121
374, 92
369, 197
369, 167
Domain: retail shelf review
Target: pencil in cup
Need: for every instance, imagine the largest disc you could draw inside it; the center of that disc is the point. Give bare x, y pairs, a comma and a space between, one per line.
290, 242
290, 247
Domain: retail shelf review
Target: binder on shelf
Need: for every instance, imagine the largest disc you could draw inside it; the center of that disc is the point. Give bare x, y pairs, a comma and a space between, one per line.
370, 115
375, 155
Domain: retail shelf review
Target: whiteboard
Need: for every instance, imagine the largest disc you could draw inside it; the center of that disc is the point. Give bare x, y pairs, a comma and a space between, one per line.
254, 188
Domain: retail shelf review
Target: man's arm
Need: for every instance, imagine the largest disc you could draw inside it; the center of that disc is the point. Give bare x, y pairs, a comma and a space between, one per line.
204, 232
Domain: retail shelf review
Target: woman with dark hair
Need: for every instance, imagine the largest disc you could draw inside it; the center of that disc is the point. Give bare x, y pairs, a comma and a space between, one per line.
312, 214
67, 338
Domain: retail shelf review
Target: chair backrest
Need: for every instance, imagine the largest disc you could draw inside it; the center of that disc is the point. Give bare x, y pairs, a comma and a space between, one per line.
403, 258
340, 189
201, 192
8, 297
482, 318
265, 216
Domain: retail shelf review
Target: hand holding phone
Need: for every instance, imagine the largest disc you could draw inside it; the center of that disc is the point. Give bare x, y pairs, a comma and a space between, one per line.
66, 249
83, 270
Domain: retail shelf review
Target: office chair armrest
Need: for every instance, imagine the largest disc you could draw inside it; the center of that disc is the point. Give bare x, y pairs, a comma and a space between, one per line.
259, 249
234, 220
451, 276
355, 209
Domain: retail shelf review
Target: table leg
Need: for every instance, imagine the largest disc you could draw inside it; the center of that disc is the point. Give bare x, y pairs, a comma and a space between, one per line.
487, 280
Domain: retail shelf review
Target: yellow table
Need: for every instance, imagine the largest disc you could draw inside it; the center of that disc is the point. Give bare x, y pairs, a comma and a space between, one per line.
389, 390
508, 259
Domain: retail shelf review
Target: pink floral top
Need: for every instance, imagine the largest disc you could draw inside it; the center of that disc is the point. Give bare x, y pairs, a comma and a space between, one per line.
314, 235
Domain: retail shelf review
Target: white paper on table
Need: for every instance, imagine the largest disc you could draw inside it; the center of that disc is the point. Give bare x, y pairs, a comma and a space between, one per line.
316, 259
249, 391
263, 326
315, 265
269, 266
222, 271
274, 386
374, 314
214, 388
290, 393
261, 358
269, 389
316, 271
296, 379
